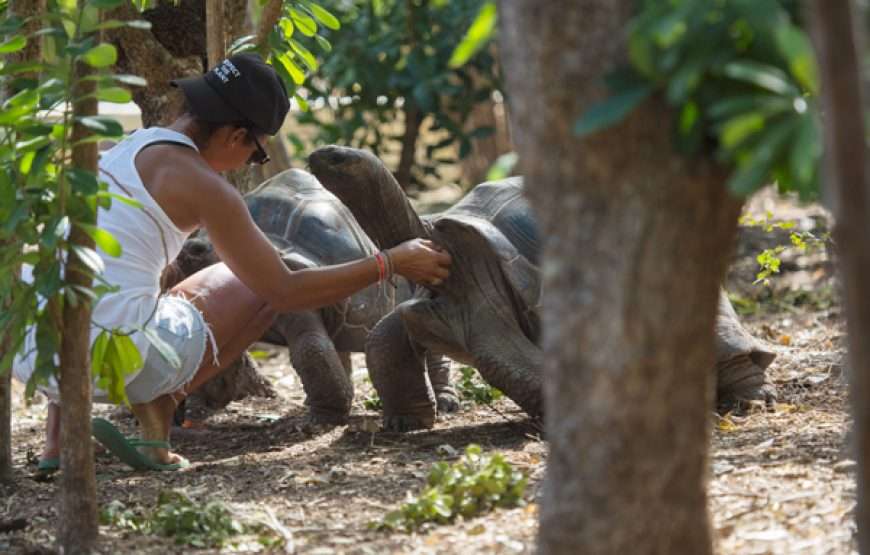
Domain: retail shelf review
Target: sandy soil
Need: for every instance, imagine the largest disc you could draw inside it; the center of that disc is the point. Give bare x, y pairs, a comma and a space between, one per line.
782, 480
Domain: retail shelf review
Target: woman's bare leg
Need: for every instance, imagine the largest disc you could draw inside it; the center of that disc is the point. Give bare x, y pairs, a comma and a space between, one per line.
237, 318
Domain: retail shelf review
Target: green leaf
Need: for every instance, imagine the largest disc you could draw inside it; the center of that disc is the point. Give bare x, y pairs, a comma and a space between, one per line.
323, 16
132, 80
103, 239
128, 355
737, 129
89, 258
286, 26
10, 25
306, 25
796, 48
118, 95
121, 198
106, 4
763, 75
102, 55
611, 111
754, 171
502, 167
98, 353
303, 104
32, 144
766, 104
296, 74
15, 44
241, 43
165, 349
142, 24
103, 125
307, 57
323, 43
478, 35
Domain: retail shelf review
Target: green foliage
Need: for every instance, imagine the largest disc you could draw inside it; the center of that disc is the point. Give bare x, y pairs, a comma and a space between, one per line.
474, 485
502, 167
739, 74
481, 30
43, 197
290, 43
201, 525
471, 388
769, 260
373, 402
391, 61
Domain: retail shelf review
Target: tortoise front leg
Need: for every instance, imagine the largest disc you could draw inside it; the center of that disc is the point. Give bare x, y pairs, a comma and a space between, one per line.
438, 368
398, 373
327, 387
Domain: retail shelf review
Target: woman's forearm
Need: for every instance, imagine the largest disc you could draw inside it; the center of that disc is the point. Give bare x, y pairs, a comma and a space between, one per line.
313, 288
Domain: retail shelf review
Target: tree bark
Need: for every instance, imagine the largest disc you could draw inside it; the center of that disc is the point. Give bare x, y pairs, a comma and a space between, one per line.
268, 18
77, 522
836, 42
5, 416
141, 53
413, 121
30, 52
636, 244
215, 35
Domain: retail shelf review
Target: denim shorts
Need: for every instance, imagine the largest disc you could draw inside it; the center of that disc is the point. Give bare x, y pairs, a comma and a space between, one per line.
181, 326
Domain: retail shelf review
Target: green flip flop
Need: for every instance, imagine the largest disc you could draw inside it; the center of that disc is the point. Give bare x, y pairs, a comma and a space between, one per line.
48, 465
127, 449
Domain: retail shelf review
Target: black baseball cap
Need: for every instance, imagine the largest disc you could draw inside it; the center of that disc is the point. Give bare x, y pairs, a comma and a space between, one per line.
242, 88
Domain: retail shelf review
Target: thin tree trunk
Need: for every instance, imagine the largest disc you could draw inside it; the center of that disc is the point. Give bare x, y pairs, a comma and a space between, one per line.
214, 25
30, 52
413, 121
268, 18
637, 240
77, 522
5, 412
846, 164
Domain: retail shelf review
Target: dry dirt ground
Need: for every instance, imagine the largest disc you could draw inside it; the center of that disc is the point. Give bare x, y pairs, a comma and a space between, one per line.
782, 480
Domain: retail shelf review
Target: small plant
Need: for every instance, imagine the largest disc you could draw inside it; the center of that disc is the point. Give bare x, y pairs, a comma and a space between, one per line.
769, 260
471, 388
373, 402
474, 485
202, 525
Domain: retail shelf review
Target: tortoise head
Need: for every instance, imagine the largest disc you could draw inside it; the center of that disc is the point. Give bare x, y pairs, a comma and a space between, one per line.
196, 254
364, 184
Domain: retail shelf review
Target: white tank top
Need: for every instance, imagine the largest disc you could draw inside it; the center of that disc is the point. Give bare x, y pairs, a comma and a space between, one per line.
149, 241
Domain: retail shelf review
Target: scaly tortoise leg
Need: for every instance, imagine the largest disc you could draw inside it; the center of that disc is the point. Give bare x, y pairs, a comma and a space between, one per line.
398, 373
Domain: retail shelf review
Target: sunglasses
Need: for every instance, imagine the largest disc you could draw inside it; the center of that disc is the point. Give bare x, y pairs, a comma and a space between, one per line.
259, 156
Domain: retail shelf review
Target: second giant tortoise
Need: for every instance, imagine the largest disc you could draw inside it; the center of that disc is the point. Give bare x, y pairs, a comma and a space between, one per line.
486, 313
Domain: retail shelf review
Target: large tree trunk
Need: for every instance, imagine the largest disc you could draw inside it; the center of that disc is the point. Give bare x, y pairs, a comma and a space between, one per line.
637, 240
77, 519
846, 161
32, 51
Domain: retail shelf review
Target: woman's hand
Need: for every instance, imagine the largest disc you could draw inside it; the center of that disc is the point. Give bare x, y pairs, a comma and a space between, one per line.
421, 261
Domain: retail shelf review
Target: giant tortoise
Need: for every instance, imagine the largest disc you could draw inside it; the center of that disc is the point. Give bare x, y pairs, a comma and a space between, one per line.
486, 313
311, 227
